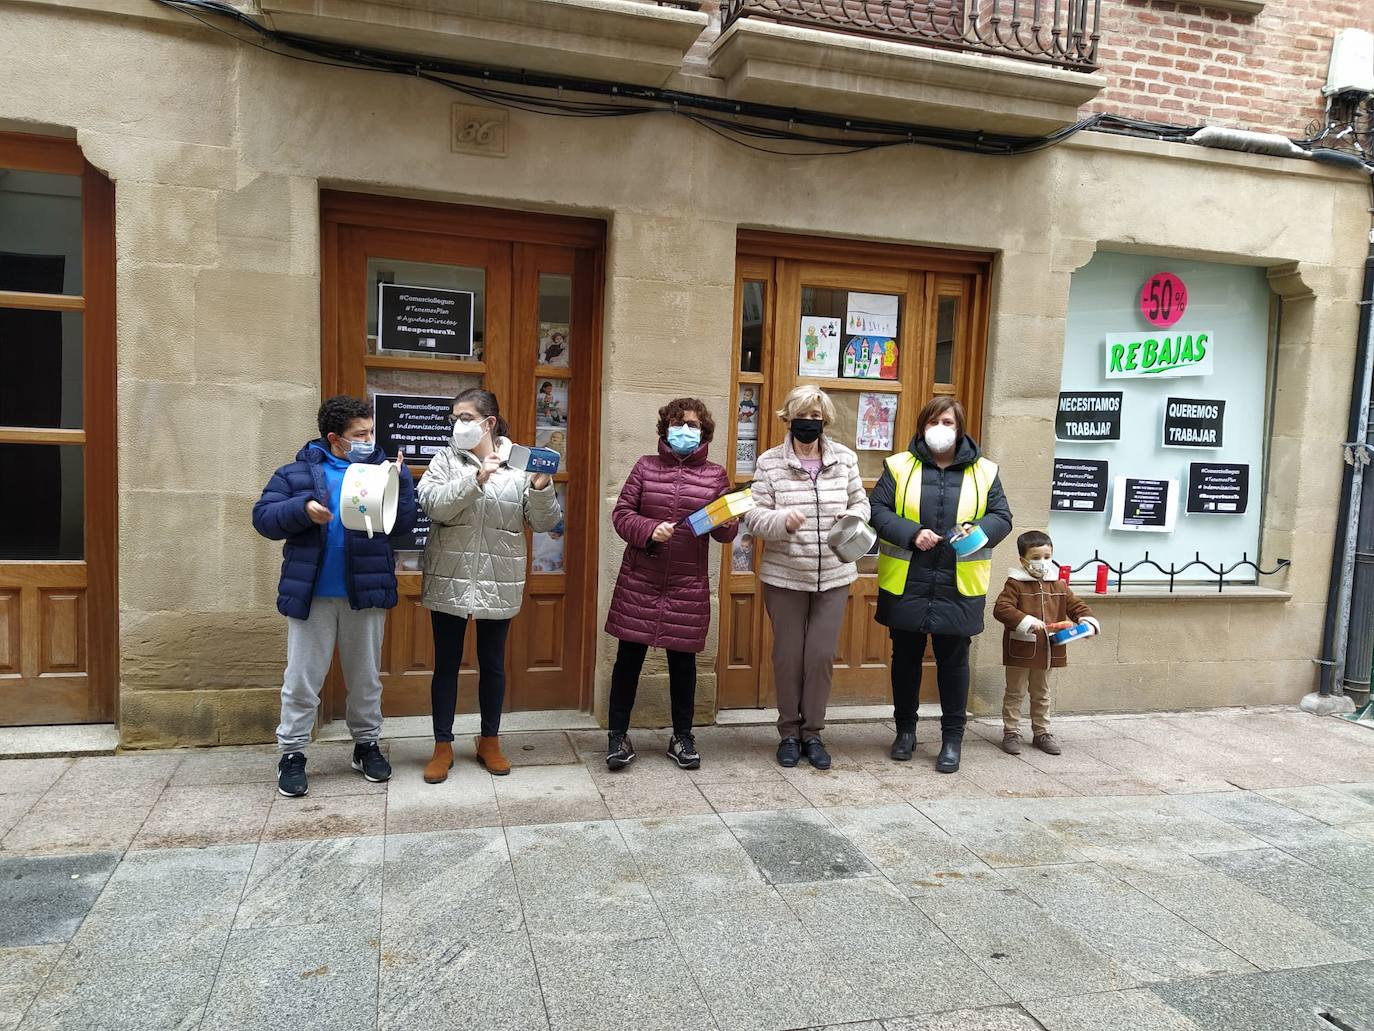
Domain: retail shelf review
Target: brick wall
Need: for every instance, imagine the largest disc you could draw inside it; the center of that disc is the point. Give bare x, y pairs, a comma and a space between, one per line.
1184, 64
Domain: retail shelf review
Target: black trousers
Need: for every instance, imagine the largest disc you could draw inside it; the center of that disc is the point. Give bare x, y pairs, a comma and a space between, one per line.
682, 686
449, 632
951, 676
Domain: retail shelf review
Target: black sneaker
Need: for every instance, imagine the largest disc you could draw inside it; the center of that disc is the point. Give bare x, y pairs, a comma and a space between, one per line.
291, 780
789, 752
816, 754
370, 762
683, 751
619, 752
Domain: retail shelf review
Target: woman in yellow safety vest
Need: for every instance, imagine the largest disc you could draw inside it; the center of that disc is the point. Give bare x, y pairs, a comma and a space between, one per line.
924, 588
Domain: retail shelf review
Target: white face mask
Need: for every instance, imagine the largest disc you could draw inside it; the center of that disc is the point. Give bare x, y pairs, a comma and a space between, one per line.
467, 435
1041, 568
940, 439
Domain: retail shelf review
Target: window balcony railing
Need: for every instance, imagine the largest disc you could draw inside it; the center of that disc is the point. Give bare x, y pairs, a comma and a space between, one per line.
1061, 33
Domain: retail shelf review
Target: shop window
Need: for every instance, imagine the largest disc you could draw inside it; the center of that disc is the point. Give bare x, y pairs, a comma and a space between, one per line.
1162, 418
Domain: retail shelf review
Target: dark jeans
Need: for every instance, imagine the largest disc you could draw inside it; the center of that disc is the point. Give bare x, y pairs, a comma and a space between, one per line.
449, 632
682, 686
951, 676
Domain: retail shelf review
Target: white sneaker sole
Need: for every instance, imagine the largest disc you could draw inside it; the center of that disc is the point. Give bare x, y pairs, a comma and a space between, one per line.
287, 794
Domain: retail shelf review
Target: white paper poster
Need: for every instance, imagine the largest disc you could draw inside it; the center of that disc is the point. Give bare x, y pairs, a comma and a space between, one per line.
877, 416
820, 347
1144, 505
872, 315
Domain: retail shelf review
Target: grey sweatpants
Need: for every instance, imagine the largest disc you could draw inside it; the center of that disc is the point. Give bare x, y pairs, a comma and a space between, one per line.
806, 633
309, 651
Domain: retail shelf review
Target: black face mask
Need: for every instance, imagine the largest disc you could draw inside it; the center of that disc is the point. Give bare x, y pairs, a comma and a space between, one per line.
808, 431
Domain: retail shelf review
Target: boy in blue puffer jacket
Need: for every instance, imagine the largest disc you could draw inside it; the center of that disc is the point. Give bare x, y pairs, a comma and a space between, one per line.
336, 585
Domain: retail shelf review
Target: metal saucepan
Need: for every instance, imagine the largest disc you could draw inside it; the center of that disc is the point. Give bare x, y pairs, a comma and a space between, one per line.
850, 538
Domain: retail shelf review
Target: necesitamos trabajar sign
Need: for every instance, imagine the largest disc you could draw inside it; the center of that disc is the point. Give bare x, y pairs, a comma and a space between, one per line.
1133, 355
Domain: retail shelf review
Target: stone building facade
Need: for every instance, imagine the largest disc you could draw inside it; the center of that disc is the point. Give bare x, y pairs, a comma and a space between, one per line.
233, 170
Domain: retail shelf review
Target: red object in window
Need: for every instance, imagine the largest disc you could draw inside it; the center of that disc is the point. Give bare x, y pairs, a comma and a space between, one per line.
1064, 572
1101, 586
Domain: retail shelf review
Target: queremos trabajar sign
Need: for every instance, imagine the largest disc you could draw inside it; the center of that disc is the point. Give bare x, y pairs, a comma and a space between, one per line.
1162, 354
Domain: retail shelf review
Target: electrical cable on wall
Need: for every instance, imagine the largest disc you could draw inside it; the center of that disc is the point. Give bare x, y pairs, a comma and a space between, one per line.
758, 127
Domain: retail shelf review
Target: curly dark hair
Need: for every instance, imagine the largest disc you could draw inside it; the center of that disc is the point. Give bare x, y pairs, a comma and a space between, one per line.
340, 410
672, 412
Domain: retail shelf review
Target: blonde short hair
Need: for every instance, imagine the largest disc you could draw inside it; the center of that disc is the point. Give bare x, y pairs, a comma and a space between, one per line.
802, 397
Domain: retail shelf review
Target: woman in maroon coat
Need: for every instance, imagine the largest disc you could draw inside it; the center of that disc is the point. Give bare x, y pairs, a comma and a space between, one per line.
662, 596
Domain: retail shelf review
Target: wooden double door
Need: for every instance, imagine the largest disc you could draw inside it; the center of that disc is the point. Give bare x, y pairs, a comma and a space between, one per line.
881, 329
533, 286
59, 613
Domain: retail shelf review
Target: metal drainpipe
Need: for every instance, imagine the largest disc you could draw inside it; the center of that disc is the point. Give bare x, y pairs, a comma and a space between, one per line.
1348, 634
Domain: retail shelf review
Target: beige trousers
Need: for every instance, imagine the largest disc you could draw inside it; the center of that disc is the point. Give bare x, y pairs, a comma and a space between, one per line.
806, 634
1018, 679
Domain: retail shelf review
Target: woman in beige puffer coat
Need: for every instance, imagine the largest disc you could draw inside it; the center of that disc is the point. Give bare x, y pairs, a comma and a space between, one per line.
474, 565
801, 488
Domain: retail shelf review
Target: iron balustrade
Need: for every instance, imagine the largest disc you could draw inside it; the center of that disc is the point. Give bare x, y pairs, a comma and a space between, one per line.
1221, 572
1063, 33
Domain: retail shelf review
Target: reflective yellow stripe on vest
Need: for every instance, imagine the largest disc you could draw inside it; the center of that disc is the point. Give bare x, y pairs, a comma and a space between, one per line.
973, 574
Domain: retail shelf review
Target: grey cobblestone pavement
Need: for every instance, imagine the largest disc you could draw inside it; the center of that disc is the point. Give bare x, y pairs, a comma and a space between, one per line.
1185, 872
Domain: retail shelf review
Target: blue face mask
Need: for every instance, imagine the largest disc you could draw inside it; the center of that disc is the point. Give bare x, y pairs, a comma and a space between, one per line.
684, 439
360, 450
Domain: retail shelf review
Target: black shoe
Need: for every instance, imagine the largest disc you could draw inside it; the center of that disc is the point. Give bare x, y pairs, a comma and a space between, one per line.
816, 754
683, 751
903, 746
789, 752
370, 762
948, 759
291, 780
619, 752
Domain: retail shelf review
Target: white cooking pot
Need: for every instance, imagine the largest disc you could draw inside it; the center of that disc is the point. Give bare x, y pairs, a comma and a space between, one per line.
850, 538
368, 499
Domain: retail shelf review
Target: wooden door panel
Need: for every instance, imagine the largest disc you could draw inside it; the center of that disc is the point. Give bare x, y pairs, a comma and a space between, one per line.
10, 622
741, 631
62, 630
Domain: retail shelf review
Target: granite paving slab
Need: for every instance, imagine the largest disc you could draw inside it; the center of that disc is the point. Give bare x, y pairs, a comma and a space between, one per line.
466, 799
586, 864
994, 1018
838, 786
588, 980
1017, 944
14, 806
693, 862
797, 845
339, 816
760, 970
1331, 903
440, 884
330, 881
633, 798
167, 902
61, 825
246, 764
136, 779
45, 898
99, 994
1172, 823
1255, 1002
908, 849
1150, 943
549, 794
1266, 934
752, 796
1000, 833
30, 776
1264, 818
1342, 991
1349, 857
215, 814
22, 973
1134, 1010
893, 958
467, 979
303, 978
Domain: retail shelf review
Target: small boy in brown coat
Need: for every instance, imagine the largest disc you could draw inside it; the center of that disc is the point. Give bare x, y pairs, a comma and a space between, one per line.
1034, 604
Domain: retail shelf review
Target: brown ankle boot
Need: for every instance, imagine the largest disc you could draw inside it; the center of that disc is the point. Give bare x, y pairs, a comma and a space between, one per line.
489, 755
436, 771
